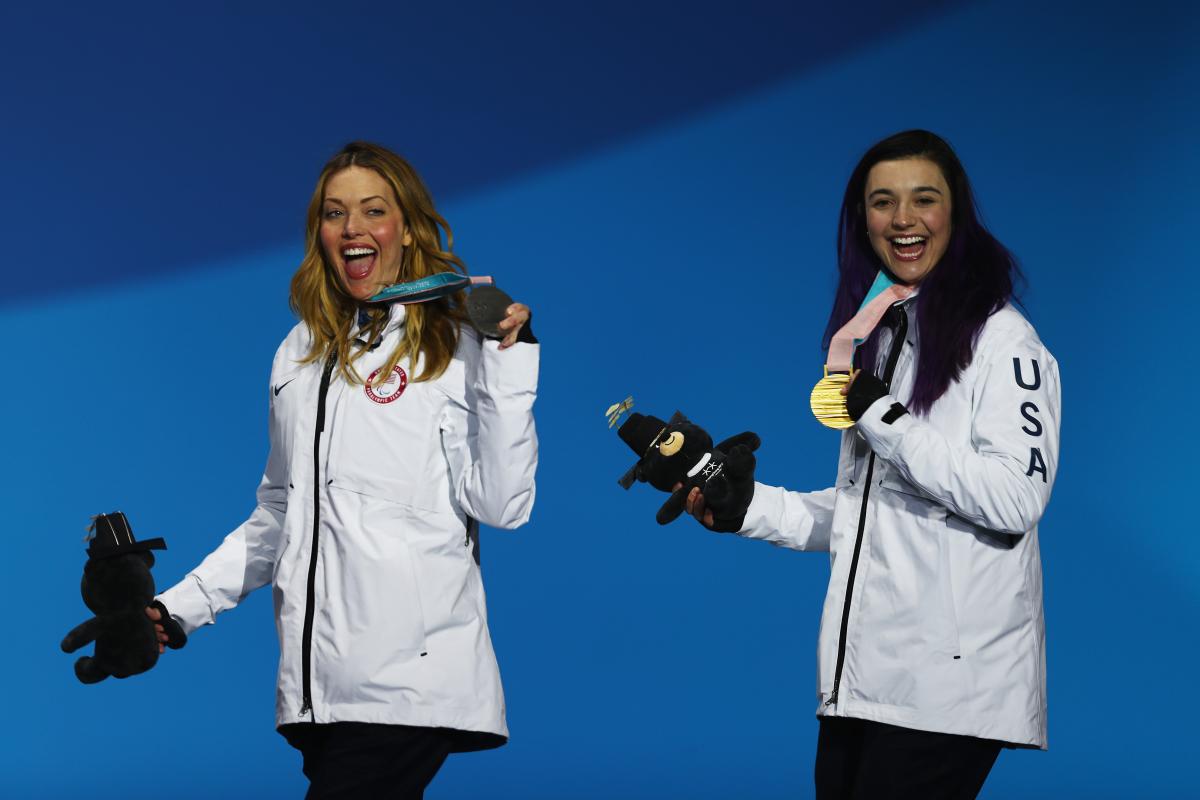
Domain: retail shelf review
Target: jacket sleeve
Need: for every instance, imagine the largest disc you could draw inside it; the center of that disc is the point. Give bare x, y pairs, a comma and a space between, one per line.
488, 433
1002, 480
799, 520
244, 561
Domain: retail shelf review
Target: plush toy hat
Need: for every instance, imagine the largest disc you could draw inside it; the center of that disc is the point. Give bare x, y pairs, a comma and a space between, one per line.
112, 536
641, 432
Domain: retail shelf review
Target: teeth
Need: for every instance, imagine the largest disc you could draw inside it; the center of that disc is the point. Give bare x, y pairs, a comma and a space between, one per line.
358, 251
904, 240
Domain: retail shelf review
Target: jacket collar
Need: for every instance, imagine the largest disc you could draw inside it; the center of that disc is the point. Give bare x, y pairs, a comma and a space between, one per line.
396, 315
909, 305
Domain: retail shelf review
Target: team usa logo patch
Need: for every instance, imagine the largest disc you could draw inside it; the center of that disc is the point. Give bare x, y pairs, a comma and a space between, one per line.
389, 390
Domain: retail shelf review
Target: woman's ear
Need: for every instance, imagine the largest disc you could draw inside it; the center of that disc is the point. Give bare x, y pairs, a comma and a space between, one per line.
407, 239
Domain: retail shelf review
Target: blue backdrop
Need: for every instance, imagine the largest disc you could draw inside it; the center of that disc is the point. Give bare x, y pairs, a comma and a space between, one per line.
662, 188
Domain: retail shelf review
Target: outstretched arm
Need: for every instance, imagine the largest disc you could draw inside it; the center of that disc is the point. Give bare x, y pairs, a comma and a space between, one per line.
796, 520
488, 432
244, 561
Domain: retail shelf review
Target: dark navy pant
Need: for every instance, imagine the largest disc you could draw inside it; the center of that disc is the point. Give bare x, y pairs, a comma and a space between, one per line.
344, 760
862, 760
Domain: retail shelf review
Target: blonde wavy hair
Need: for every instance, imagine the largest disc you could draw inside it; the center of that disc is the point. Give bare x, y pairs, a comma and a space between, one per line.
431, 329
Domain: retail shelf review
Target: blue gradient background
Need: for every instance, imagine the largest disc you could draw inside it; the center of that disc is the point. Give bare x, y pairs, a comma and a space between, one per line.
661, 187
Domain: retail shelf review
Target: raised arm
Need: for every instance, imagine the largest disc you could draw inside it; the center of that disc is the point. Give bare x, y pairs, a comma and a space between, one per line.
488, 433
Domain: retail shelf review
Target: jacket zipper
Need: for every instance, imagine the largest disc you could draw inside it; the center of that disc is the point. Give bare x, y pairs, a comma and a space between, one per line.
310, 597
889, 368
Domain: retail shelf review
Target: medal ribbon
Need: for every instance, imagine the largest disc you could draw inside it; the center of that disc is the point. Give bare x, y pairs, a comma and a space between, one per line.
428, 288
882, 294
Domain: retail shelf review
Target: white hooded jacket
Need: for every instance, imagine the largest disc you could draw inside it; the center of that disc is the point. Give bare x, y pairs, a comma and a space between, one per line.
366, 530
933, 617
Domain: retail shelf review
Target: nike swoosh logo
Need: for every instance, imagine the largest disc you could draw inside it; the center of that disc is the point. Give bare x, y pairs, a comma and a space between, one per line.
279, 388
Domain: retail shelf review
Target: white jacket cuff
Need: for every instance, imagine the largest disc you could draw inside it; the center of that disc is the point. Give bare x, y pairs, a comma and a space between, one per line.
187, 603
883, 437
797, 520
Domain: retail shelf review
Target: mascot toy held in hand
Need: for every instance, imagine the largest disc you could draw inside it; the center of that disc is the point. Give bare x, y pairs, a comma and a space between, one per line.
679, 451
117, 586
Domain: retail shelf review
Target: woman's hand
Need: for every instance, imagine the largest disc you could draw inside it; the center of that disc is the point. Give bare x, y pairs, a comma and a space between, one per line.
166, 628
156, 617
518, 316
695, 505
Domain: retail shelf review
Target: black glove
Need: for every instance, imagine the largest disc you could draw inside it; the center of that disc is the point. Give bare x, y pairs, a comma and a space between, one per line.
865, 390
176, 638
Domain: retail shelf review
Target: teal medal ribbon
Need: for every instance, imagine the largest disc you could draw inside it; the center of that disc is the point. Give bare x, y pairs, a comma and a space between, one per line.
428, 288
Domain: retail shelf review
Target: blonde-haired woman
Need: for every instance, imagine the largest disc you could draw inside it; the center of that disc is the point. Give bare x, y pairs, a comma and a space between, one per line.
394, 431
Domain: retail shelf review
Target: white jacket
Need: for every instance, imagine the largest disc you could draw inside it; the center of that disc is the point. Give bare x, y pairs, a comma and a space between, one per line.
937, 620
390, 625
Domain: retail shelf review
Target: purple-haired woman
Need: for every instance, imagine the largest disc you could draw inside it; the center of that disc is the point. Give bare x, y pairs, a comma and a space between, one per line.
931, 653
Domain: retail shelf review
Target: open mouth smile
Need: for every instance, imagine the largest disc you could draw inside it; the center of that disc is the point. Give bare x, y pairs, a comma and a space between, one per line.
908, 248
359, 261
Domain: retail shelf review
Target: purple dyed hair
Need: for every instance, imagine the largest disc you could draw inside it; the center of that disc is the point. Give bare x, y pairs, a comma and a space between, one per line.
974, 279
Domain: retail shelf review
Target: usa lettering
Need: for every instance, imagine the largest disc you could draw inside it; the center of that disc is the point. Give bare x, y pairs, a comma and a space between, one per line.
1029, 411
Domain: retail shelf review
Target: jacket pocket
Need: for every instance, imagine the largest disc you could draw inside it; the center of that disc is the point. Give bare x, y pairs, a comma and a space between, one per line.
909, 496
926, 517
378, 572
949, 607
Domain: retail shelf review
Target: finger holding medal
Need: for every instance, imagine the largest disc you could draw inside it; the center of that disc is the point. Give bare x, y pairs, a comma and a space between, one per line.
516, 326
496, 316
845, 390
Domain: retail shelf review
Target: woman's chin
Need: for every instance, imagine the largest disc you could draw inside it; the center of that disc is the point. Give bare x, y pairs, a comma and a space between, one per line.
909, 273
361, 291
367, 287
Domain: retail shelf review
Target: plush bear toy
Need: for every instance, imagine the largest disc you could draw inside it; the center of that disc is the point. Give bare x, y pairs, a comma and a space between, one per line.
117, 587
682, 452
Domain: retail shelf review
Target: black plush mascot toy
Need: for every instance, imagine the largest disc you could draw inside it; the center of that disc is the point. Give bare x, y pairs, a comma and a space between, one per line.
679, 451
117, 587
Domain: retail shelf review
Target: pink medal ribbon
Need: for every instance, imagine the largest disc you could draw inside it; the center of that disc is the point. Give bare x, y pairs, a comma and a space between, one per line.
827, 402
856, 331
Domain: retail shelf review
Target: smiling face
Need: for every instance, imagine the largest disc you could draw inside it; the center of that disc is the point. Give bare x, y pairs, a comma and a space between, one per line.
908, 216
363, 231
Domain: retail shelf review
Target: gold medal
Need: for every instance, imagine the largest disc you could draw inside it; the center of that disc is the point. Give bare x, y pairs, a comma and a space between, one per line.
828, 403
